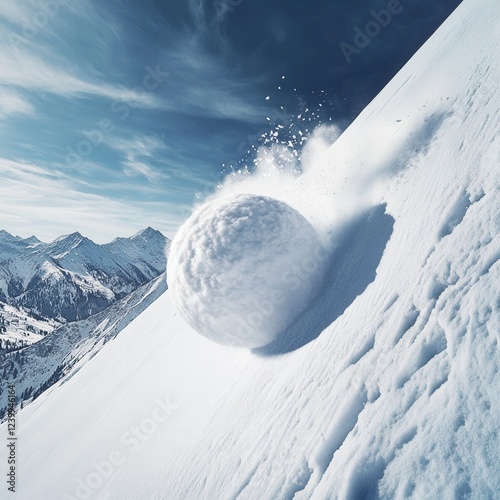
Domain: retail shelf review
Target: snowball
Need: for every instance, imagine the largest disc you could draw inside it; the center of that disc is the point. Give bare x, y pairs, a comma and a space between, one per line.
242, 268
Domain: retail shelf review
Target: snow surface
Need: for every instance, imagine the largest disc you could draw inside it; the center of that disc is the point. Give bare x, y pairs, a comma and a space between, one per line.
70, 346
21, 329
242, 268
391, 388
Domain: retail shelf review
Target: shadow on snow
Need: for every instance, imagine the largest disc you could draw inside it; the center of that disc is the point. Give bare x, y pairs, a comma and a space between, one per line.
352, 267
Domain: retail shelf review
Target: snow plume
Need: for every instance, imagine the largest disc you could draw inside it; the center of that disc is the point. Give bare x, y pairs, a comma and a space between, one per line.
284, 170
321, 177
252, 257
328, 177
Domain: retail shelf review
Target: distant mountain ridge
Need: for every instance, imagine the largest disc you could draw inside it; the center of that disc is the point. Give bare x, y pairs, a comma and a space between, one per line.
73, 277
11, 246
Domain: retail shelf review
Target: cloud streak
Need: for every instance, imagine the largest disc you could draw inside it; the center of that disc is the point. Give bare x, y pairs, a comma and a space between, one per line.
13, 103
35, 200
138, 156
27, 71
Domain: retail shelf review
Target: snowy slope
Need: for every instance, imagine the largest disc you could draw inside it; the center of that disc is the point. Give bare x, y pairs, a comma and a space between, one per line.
70, 346
18, 328
388, 384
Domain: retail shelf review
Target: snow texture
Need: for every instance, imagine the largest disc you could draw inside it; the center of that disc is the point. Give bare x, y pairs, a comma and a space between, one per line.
66, 349
395, 396
242, 268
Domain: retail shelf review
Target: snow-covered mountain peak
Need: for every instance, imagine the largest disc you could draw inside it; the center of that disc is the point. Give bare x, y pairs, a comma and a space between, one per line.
73, 277
146, 231
33, 240
11, 246
144, 235
63, 246
147, 234
70, 237
4, 235
141, 245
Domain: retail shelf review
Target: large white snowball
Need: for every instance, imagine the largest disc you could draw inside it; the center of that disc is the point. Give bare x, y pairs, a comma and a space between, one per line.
241, 269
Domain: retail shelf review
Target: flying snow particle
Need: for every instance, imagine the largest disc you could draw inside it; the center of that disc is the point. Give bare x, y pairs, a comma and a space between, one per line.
242, 268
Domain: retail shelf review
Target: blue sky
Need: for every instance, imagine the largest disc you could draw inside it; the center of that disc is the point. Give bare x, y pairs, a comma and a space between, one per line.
113, 117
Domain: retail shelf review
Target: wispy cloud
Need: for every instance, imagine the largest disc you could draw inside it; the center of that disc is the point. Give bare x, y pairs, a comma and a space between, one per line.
34, 200
145, 171
17, 12
38, 53
13, 103
21, 69
139, 145
133, 167
201, 84
138, 155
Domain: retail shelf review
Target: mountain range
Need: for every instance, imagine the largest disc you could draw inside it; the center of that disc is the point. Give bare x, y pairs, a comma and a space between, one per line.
71, 278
